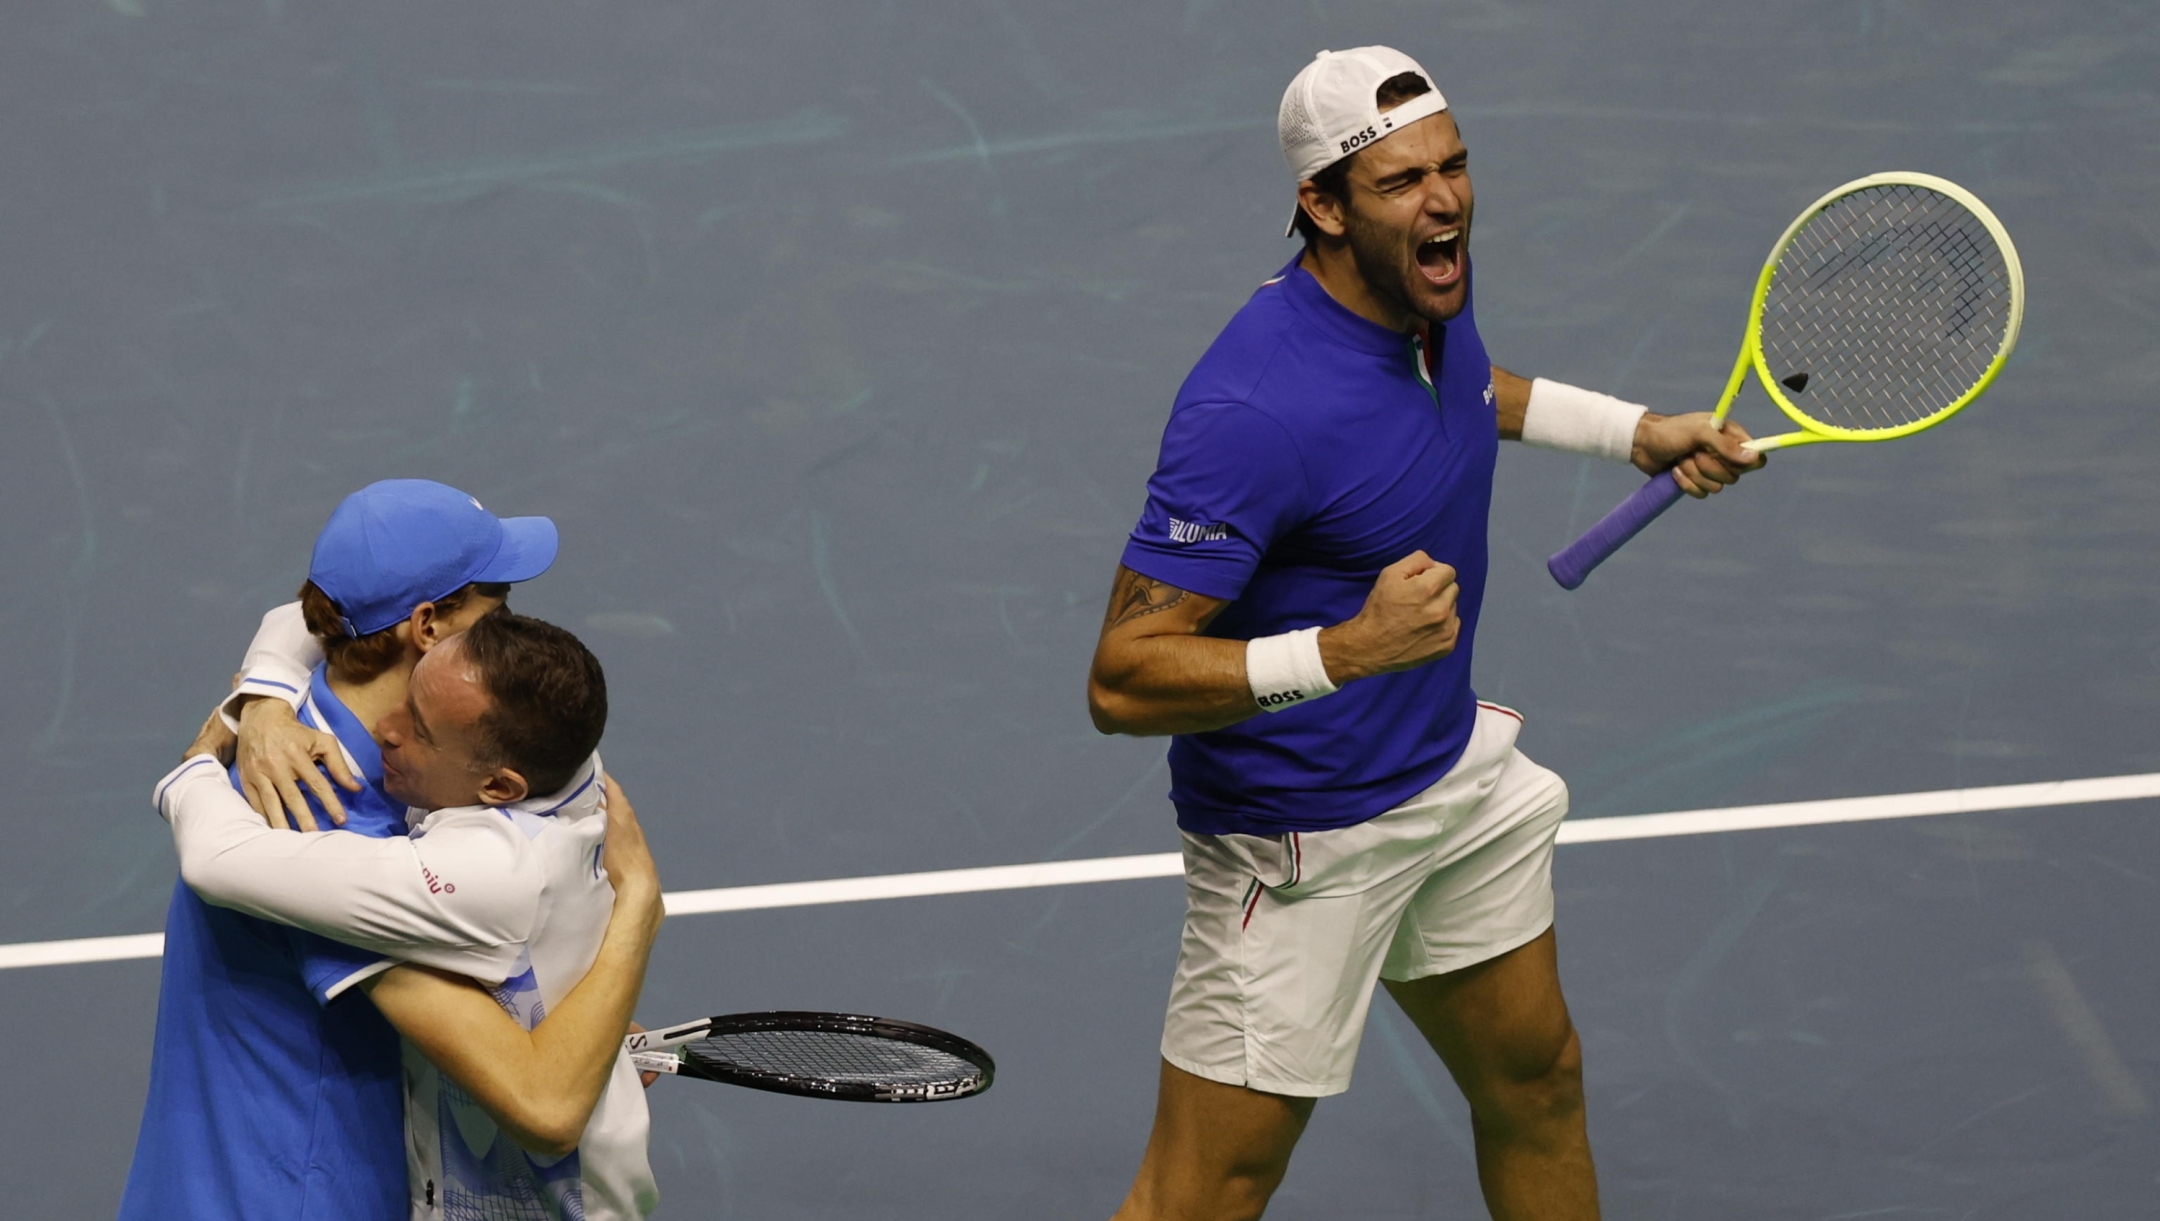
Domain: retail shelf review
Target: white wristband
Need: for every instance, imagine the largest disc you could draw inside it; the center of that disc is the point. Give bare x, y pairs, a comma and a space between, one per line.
1580, 421
1286, 669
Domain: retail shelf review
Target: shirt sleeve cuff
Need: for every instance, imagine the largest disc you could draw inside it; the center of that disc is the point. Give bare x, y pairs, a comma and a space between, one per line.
270, 688
172, 778
1224, 580
279, 660
360, 976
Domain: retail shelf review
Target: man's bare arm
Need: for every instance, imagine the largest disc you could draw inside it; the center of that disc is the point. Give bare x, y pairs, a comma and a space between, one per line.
1154, 673
541, 1085
1511, 399
1702, 456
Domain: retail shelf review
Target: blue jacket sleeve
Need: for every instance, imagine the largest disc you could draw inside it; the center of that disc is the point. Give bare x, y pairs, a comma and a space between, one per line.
328, 967
1229, 483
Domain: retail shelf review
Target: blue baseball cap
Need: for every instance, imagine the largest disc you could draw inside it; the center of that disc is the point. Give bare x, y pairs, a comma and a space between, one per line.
392, 545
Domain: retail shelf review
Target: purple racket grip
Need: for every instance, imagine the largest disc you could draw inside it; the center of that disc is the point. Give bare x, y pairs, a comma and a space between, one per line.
1574, 564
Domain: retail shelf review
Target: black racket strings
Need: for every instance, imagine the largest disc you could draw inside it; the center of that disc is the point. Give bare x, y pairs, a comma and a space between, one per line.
1886, 307
828, 1055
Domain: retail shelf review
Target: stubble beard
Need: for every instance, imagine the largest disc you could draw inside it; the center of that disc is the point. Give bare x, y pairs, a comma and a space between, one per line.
1389, 268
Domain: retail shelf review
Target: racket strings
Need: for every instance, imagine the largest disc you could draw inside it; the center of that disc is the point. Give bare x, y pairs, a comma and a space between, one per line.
1893, 301
831, 1056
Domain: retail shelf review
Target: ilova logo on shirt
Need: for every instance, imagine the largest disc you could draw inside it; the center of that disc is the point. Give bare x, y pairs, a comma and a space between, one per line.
1197, 531
1489, 396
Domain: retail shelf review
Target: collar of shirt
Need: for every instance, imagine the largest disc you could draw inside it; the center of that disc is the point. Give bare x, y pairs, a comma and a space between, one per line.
339, 720
1331, 318
584, 795
371, 811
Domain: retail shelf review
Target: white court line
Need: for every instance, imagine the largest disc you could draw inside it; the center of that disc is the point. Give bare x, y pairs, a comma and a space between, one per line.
1167, 864
909, 885
1864, 809
82, 949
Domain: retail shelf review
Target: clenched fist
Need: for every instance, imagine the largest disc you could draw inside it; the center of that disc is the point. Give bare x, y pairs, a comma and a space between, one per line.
1409, 619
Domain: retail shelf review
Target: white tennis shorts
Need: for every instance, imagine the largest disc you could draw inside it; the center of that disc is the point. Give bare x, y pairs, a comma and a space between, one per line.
1285, 935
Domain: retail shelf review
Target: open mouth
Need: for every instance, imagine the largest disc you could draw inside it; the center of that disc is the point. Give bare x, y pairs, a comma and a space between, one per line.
1440, 257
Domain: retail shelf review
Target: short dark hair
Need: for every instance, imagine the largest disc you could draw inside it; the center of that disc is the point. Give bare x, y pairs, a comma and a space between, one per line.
1334, 179
547, 697
356, 659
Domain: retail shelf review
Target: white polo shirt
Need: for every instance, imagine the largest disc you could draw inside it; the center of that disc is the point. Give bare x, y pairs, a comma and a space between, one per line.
515, 898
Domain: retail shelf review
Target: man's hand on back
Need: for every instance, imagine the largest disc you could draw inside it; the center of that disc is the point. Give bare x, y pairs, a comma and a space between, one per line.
212, 739
1409, 619
541, 1085
1702, 457
629, 861
630, 869
277, 755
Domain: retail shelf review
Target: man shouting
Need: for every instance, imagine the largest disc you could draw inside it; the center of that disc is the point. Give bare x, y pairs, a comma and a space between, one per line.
1298, 605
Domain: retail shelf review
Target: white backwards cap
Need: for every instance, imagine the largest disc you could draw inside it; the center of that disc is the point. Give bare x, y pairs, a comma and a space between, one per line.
1331, 109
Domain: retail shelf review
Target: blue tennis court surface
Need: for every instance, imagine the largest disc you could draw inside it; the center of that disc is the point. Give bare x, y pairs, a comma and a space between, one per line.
838, 339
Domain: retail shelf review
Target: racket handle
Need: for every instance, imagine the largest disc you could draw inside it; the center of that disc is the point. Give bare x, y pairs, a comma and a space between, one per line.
656, 1062
1573, 565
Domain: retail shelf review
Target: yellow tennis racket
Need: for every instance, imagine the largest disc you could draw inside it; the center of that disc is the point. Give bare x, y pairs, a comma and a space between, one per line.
1890, 304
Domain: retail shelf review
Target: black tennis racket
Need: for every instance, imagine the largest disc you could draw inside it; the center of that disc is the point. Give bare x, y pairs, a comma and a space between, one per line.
845, 1056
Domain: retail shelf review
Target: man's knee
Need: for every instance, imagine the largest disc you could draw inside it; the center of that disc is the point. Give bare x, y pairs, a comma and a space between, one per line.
1229, 1184
1242, 1196
1236, 1188
1533, 1090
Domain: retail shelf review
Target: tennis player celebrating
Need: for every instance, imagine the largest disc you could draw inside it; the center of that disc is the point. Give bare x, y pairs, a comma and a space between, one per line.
263, 1030
1297, 604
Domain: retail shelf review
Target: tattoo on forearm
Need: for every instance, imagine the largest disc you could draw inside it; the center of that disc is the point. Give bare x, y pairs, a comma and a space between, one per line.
1137, 597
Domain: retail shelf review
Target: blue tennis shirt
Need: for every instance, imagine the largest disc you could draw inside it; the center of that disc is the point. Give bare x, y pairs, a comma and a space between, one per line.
1308, 450
268, 1097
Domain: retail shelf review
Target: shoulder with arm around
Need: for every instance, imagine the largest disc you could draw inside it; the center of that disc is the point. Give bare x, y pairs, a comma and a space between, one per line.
477, 859
277, 662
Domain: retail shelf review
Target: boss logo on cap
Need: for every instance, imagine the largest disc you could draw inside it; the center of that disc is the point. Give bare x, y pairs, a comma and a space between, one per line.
1360, 140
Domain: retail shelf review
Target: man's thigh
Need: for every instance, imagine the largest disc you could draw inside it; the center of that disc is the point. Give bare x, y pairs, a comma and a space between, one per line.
1492, 891
1501, 1021
1273, 983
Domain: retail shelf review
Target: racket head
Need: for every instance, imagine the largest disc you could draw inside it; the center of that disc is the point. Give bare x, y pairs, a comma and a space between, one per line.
1887, 306
843, 1056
